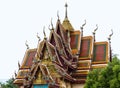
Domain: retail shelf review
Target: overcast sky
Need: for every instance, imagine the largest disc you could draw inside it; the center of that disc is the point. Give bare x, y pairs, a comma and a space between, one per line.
20, 20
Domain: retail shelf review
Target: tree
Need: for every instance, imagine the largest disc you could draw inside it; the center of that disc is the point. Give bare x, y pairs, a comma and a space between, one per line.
8, 84
108, 77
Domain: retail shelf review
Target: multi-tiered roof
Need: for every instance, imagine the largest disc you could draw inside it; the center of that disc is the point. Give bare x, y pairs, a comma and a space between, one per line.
65, 55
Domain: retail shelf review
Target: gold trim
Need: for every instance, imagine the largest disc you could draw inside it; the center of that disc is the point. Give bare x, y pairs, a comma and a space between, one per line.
100, 62
81, 72
88, 65
100, 66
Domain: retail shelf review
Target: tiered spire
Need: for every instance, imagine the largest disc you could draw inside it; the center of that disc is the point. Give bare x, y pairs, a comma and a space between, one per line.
66, 24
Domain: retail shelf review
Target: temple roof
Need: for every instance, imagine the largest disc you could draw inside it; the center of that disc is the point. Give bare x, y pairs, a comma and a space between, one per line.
67, 54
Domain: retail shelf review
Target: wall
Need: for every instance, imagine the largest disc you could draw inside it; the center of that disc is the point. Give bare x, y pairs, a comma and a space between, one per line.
77, 85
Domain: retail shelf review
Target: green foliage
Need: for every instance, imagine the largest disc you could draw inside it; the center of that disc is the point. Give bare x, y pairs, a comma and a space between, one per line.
108, 77
8, 84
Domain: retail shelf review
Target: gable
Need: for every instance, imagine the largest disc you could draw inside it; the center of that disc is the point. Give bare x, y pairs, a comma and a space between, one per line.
52, 40
61, 32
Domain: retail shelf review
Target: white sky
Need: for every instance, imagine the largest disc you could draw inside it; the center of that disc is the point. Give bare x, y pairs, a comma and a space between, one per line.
20, 20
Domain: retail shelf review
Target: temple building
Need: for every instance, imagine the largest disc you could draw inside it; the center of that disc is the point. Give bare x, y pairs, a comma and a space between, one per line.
63, 59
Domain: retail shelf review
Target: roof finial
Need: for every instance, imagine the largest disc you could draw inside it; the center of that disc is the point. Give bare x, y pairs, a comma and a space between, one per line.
18, 64
82, 28
49, 28
38, 37
44, 32
52, 24
15, 74
66, 10
109, 39
95, 31
58, 15
26, 43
